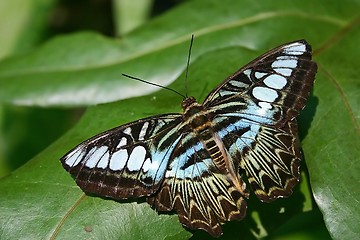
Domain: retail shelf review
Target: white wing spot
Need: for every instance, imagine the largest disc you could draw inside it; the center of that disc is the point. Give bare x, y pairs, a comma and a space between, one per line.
104, 161
238, 84
224, 93
264, 109
136, 158
295, 49
143, 131
284, 63
275, 81
150, 165
122, 142
265, 105
75, 157
97, 153
264, 94
284, 71
259, 74
127, 131
247, 72
118, 160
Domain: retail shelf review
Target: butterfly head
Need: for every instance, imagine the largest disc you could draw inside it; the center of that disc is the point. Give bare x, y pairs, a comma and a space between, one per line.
188, 102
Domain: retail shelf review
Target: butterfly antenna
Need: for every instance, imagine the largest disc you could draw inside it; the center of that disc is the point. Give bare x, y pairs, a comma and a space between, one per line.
154, 84
188, 63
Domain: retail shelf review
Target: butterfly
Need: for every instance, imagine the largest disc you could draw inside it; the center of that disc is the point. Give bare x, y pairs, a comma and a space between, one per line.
191, 162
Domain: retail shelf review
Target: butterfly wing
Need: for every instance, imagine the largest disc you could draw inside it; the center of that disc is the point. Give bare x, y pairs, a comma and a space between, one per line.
194, 187
127, 161
278, 82
254, 114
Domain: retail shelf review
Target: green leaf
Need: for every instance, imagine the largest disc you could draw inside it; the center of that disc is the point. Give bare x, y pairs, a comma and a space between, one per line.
129, 15
332, 145
21, 24
42, 196
85, 68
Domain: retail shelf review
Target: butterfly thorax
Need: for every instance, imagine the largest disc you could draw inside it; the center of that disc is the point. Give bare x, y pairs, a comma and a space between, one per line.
195, 116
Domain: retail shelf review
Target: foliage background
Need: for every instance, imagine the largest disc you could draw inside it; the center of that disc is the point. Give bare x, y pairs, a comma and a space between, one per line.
60, 83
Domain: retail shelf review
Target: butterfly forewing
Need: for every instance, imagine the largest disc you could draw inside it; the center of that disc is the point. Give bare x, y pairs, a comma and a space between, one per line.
275, 86
127, 161
191, 163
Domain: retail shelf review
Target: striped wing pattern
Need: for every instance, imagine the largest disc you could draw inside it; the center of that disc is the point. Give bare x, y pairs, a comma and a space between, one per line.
120, 163
191, 163
200, 193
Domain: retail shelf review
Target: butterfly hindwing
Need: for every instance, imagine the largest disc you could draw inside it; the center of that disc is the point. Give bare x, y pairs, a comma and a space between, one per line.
127, 161
272, 164
202, 195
